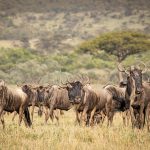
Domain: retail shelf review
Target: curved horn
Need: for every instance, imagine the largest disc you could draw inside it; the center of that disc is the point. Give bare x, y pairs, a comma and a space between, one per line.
19, 85
145, 68
63, 83
2, 82
79, 78
87, 81
68, 81
122, 69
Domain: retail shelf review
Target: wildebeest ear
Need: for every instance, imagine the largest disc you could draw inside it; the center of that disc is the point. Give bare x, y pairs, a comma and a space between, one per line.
2, 83
122, 83
25, 86
41, 87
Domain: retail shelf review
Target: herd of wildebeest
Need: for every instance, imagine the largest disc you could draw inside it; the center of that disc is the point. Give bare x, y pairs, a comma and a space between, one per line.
131, 97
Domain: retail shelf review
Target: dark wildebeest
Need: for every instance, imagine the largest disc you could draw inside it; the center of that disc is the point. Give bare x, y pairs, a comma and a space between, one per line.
119, 103
56, 98
13, 100
33, 99
138, 93
90, 101
122, 84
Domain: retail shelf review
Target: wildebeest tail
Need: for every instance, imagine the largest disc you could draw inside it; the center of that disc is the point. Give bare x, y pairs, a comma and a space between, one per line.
27, 116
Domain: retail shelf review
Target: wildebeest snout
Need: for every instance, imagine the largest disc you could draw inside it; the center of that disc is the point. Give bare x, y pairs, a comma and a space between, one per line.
77, 100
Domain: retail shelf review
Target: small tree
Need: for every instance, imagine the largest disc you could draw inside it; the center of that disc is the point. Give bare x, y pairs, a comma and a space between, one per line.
120, 44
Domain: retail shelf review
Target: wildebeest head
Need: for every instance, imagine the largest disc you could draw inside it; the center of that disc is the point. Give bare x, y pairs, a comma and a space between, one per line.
41, 92
27, 89
134, 79
30, 91
75, 90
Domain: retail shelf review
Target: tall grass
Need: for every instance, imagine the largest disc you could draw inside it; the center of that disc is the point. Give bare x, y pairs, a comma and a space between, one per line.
68, 136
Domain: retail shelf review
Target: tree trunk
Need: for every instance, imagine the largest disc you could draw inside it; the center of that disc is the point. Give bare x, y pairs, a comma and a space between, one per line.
120, 73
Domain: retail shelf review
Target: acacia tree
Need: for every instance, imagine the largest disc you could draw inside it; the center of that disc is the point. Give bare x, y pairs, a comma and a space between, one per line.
119, 44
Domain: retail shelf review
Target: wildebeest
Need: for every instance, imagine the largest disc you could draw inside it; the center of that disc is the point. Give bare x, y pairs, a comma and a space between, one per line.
119, 102
90, 101
36, 96
32, 96
13, 100
138, 93
44, 97
56, 98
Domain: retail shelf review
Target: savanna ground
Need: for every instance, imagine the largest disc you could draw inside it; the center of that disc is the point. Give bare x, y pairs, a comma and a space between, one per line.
68, 136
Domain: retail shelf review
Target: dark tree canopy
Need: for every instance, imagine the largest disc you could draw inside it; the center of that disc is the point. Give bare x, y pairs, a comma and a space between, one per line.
120, 44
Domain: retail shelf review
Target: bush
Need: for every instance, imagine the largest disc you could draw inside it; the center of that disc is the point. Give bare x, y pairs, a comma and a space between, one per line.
10, 57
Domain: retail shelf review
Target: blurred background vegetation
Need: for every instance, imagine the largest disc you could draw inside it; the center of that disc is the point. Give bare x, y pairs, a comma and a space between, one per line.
50, 40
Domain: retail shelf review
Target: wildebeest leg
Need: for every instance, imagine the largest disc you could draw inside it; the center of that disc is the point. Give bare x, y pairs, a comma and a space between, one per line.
20, 114
14, 115
103, 115
25, 121
124, 118
61, 112
88, 119
51, 112
84, 115
40, 111
142, 116
57, 114
92, 114
132, 117
77, 117
3, 122
148, 117
110, 118
27, 116
46, 114
32, 111
2, 117
127, 117
108, 113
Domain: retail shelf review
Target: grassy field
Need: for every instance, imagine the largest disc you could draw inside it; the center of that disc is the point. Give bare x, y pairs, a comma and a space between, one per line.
67, 135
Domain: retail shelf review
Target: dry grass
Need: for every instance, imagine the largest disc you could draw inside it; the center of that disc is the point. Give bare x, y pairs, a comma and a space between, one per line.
67, 135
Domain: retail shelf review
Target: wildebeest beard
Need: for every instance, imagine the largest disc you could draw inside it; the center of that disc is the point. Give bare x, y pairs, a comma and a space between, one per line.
40, 97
